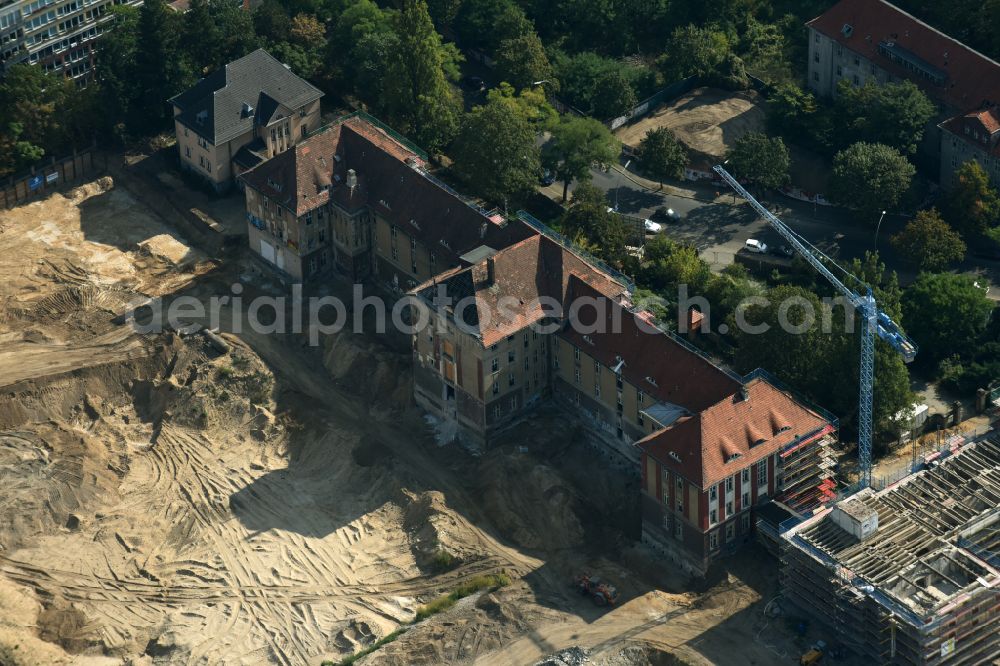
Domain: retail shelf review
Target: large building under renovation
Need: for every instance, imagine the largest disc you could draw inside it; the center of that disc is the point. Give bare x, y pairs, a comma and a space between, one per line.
909, 574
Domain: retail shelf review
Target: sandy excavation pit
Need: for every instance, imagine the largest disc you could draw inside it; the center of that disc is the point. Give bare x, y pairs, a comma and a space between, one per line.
164, 504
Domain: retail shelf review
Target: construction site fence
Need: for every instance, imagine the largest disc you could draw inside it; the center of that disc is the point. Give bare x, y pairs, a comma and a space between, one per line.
643, 108
44, 178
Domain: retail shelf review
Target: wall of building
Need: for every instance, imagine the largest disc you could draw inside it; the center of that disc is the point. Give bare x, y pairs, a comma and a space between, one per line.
956, 151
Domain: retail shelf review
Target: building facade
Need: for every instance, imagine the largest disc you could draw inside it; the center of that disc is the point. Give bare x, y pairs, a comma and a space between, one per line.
515, 316
241, 115
58, 35
355, 199
862, 41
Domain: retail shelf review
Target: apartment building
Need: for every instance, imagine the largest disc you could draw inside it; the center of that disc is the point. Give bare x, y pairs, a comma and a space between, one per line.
485, 360
241, 115
355, 198
704, 473
863, 41
517, 317
58, 35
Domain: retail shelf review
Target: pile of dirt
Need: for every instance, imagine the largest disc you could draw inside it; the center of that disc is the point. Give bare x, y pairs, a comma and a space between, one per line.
381, 377
529, 502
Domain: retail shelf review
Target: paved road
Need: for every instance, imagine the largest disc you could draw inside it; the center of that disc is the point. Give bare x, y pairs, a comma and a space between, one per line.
718, 228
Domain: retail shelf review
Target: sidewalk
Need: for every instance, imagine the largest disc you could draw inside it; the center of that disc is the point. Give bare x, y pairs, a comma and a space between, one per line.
705, 193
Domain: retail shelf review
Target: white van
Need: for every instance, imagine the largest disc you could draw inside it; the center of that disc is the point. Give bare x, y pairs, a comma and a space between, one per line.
754, 245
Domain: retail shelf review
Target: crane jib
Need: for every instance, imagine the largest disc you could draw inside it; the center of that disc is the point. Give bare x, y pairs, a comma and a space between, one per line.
875, 322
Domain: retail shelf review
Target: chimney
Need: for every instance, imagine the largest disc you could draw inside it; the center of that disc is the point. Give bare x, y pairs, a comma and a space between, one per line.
352, 180
491, 271
744, 394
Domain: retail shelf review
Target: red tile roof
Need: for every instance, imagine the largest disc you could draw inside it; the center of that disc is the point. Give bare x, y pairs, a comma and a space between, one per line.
390, 179
971, 77
679, 375
523, 275
701, 447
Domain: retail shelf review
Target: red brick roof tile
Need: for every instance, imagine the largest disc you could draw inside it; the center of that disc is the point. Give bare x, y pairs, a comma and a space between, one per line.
679, 375
701, 448
523, 275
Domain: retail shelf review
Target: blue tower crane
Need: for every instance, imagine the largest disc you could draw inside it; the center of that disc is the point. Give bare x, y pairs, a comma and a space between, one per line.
873, 322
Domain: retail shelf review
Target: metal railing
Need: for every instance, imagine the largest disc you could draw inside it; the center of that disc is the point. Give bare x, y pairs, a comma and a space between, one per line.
367, 117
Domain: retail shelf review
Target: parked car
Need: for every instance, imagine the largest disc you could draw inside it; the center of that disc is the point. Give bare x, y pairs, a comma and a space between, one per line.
652, 227
756, 246
547, 178
666, 214
784, 251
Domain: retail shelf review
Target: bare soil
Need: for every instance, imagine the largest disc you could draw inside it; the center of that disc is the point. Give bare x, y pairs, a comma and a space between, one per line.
165, 504
706, 120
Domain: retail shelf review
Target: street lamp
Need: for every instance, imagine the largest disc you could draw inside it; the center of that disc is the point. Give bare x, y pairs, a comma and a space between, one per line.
877, 227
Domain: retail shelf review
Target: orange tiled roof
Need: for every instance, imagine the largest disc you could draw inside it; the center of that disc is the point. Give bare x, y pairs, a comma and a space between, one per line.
702, 447
971, 79
523, 274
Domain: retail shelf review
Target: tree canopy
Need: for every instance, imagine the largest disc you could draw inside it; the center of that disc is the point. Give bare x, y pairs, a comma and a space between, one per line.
761, 160
928, 243
893, 114
495, 152
576, 145
662, 155
946, 314
870, 177
972, 205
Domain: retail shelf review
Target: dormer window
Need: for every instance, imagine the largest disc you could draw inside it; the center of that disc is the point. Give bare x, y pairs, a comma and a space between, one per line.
673, 454
733, 457
846, 30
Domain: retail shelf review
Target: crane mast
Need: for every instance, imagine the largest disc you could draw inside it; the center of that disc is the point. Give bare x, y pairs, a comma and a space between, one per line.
873, 322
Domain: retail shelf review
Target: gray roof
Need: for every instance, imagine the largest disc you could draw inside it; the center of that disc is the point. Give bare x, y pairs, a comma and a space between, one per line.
219, 97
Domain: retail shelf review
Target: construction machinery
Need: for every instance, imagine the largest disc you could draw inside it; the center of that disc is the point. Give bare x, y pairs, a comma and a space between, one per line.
602, 593
873, 321
813, 655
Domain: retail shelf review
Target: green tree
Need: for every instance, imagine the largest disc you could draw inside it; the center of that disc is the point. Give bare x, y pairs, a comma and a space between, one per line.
304, 50
160, 71
577, 144
800, 358
793, 113
361, 40
869, 177
271, 23
972, 205
694, 51
617, 96
761, 160
199, 28
485, 24
521, 61
946, 314
894, 114
495, 153
764, 45
444, 12
610, 236
662, 156
115, 67
531, 104
928, 243
417, 95
237, 36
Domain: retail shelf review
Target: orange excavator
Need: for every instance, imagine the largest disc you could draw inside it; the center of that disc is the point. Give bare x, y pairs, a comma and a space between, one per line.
602, 593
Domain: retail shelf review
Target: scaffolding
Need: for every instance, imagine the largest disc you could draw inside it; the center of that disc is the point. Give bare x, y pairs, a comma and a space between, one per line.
924, 588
